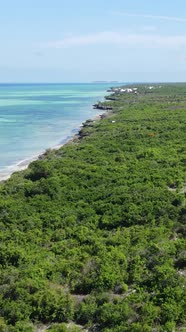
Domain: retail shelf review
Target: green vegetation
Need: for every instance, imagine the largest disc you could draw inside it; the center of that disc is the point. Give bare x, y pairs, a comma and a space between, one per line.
93, 235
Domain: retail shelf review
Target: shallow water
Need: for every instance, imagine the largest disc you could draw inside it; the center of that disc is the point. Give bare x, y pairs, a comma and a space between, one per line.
34, 117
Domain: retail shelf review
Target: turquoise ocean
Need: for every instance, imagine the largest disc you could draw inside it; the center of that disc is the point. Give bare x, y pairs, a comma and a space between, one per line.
35, 117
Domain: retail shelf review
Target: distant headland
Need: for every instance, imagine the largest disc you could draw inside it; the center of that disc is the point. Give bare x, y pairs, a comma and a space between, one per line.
105, 82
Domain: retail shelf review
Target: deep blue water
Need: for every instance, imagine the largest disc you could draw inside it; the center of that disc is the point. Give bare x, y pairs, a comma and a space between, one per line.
34, 117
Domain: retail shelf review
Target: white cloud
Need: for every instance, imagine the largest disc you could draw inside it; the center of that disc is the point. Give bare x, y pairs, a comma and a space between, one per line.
156, 17
97, 38
143, 40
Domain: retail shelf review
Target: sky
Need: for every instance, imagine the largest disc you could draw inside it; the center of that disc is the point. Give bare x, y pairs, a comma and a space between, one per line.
85, 40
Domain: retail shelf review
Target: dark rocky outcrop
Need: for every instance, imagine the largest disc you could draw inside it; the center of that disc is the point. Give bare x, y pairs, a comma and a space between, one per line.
102, 107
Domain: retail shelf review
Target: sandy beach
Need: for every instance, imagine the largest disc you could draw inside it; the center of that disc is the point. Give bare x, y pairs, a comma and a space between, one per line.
23, 164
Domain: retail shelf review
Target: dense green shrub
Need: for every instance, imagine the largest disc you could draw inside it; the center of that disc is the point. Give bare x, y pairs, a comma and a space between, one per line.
95, 232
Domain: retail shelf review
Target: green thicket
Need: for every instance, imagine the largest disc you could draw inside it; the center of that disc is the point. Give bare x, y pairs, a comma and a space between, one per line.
94, 233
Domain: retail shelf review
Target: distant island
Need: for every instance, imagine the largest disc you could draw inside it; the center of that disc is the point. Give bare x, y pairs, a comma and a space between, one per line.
105, 81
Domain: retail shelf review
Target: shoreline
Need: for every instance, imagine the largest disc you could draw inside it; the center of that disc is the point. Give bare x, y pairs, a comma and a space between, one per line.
20, 164
24, 164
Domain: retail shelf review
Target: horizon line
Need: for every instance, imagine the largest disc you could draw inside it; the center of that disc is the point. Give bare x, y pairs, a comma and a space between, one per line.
92, 82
